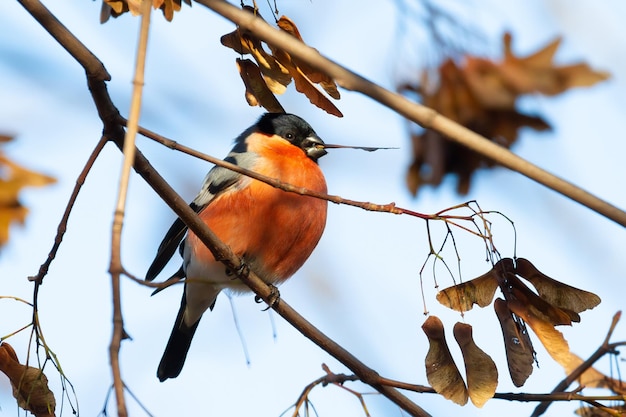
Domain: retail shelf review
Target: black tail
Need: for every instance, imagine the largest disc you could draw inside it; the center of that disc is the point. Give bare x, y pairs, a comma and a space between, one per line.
177, 347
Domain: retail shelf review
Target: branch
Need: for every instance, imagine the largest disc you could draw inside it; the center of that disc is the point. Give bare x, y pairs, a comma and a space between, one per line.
65, 38
384, 208
419, 114
115, 266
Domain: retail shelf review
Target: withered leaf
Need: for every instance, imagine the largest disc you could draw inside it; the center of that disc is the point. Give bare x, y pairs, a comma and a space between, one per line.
30, 385
115, 8
480, 370
520, 354
537, 72
441, 371
315, 96
13, 180
554, 292
482, 95
277, 78
462, 297
257, 92
317, 77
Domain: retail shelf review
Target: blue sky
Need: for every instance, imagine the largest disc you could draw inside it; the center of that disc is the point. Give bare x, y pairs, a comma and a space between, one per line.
361, 285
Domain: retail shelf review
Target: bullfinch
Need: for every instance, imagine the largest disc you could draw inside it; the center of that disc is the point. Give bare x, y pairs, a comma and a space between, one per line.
271, 230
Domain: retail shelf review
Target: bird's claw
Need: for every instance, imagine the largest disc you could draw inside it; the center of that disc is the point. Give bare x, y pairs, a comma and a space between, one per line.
242, 271
272, 299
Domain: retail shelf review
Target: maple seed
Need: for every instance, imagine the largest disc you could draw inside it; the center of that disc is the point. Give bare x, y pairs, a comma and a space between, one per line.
480, 370
441, 371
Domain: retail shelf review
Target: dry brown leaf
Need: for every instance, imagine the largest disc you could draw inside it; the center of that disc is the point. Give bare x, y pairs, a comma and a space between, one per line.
115, 8
537, 72
9, 216
482, 95
315, 76
520, 354
441, 371
278, 68
315, 96
480, 370
554, 292
13, 178
30, 385
462, 297
304, 85
257, 92
276, 76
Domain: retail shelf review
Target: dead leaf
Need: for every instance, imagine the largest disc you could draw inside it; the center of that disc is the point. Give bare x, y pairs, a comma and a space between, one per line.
244, 42
480, 370
30, 385
315, 76
13, 179
482, 95
537, 72
304, 85
257, 92
278, 68
520, 354
441, 371
115, 8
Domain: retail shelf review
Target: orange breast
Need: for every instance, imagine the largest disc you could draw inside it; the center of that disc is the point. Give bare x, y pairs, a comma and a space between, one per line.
272, 230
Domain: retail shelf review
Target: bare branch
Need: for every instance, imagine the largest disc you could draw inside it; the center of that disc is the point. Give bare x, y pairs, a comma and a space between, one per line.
65, 38
419, 114
115, 267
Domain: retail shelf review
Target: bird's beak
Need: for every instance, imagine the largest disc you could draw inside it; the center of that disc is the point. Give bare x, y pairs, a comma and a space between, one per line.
315, 149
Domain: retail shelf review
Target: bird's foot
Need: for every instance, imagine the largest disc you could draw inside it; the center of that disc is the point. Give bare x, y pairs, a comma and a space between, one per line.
272, 299
242, 270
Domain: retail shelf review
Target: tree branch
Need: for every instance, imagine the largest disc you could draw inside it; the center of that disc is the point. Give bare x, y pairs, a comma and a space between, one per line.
115, 266
67, 40
417, 113
113, 130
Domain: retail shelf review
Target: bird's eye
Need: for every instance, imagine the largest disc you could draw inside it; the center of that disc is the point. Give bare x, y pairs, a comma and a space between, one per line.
289, 135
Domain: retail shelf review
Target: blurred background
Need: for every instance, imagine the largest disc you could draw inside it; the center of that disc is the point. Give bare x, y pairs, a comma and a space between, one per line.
362, 285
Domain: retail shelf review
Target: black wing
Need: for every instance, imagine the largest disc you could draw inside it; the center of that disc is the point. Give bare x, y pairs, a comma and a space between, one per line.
168, 246
217, 181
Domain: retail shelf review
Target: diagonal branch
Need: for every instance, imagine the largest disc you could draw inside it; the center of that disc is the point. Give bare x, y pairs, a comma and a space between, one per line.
65, 38
113, 130
417, 113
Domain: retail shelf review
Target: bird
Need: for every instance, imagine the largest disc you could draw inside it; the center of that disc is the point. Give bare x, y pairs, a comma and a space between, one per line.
272, 231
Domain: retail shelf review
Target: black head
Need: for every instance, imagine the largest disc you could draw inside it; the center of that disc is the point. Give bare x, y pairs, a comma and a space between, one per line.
295, 130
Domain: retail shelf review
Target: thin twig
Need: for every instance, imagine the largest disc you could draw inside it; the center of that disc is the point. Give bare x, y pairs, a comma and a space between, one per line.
116, 268
384, 208
62, 228
424, 116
